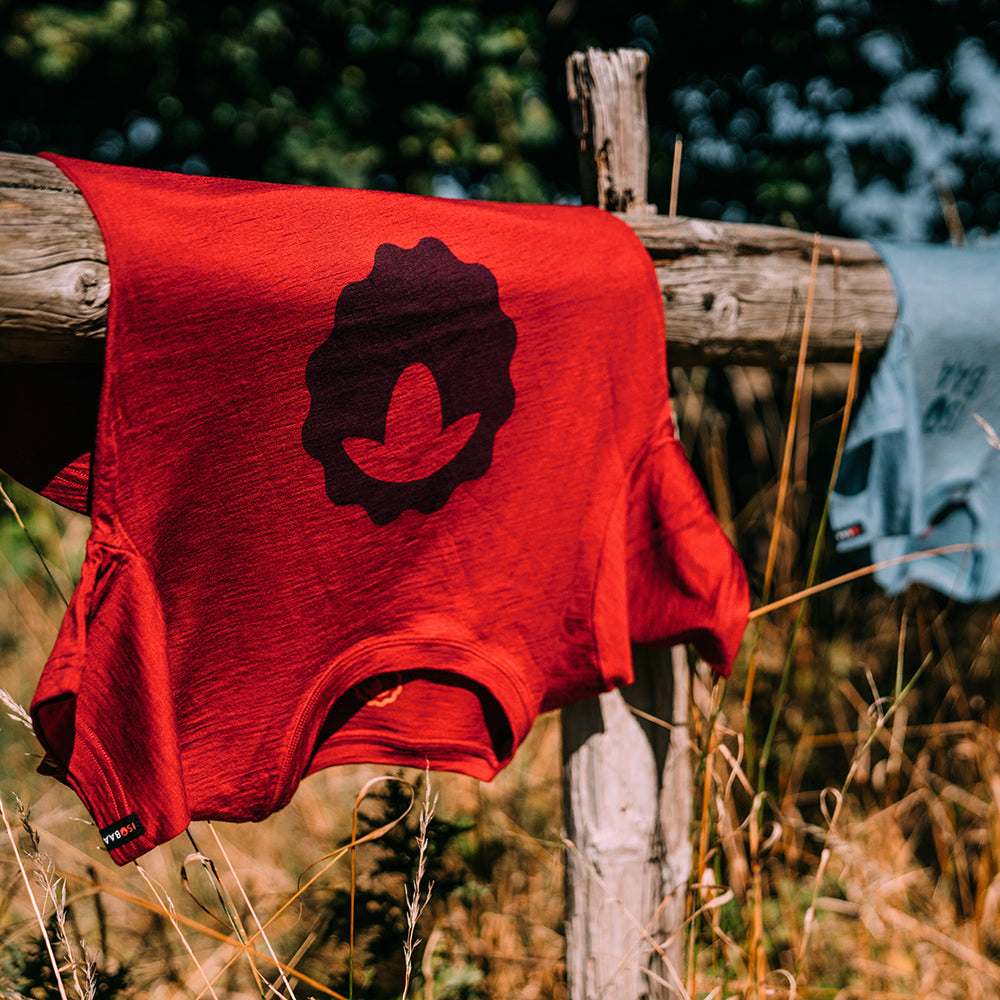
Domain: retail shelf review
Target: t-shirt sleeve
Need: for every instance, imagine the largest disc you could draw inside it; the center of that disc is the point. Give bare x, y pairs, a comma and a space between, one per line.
104, 710
70, 486
685, 581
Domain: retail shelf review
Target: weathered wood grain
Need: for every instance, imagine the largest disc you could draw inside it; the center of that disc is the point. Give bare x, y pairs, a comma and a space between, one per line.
54, 285
627, 799
736, 293
732, 293
607, 99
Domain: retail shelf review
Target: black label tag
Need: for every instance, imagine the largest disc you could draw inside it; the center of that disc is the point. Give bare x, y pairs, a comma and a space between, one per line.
123, 832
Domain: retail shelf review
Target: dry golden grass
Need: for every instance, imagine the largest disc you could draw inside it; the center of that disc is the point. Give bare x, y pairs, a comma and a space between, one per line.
496, 933
852, 810
846, 817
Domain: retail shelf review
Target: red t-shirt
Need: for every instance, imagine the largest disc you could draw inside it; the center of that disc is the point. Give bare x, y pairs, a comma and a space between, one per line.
377, 478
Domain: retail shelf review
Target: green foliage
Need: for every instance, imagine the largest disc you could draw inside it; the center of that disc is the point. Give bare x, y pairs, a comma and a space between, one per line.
23, 549
840, 116
27, 971
387, 866
351, 93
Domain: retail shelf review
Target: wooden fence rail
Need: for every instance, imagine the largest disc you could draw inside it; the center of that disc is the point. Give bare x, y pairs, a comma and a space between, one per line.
732, 293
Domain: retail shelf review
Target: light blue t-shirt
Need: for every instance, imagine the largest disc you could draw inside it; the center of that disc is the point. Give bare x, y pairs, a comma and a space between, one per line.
919, 471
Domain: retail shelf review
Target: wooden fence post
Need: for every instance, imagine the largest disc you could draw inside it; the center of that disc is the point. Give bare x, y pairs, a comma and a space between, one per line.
627, 787
627, 794
607, 96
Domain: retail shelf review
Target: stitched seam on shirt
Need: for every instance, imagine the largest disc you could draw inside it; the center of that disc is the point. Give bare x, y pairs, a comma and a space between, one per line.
100, 757
664, 419
452, 748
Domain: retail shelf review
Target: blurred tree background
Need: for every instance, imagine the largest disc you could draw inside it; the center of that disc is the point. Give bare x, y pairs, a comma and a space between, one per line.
848, 116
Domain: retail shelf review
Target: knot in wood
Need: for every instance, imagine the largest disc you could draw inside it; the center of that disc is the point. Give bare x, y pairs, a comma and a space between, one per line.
727, 311
88, 286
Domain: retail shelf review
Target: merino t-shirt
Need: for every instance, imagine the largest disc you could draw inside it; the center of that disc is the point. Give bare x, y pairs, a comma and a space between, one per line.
920, 475
377, 478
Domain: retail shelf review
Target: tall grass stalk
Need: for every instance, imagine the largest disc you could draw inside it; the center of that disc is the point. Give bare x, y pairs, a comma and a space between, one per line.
783, 479
16, 711
232, 918
417, 896
352, 848
354, 884
250, 908
54, 890
793, 421
859, 574
817, 551
26, 882
168, 908
708, 778
10, 505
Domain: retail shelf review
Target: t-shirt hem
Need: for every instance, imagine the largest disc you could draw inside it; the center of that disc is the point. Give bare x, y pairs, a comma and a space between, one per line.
355, 666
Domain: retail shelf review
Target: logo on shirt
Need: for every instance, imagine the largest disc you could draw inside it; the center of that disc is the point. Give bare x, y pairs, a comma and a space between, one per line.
379, 691
413, 383
956, 386
417, 444
122, 832
851, 531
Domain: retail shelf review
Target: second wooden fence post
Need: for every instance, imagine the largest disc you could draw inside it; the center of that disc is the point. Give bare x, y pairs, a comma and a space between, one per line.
627, 787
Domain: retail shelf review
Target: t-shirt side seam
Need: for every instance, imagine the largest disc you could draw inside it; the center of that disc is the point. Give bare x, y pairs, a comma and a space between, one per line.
665, 418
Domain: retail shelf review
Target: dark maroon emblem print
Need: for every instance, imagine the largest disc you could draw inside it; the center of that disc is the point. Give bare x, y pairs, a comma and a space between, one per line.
413, 383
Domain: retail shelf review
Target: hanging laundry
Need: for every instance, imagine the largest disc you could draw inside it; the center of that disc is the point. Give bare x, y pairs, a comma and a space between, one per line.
377, 478
920, 471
